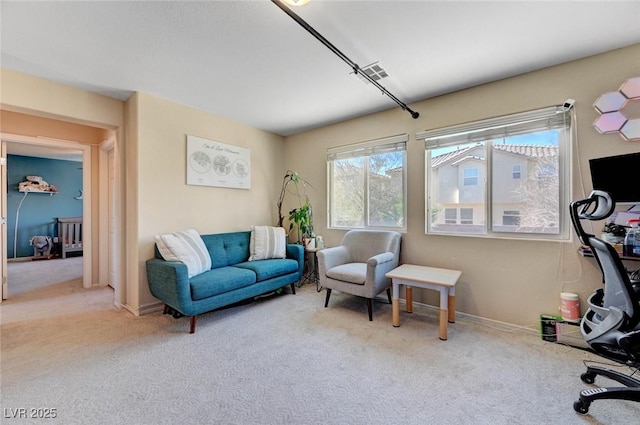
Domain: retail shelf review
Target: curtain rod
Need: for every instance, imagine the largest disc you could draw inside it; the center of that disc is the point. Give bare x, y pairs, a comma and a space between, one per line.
352, 64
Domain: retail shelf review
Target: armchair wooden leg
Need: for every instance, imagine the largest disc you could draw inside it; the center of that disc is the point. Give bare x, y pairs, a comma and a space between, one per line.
370, 308
293, 288
166, 309
192, 328
389, 295
326, 300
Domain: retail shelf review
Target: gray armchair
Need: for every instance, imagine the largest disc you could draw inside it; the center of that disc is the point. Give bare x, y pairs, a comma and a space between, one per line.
358, 266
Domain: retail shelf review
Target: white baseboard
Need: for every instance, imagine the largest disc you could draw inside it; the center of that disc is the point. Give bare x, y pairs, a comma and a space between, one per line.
532, 329
150, 308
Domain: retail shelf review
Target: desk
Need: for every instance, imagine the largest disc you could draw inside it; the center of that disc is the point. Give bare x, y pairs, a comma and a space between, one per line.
585, 251
441, 280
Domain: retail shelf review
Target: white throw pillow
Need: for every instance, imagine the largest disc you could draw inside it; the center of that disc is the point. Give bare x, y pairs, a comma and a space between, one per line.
267, 242
186, 247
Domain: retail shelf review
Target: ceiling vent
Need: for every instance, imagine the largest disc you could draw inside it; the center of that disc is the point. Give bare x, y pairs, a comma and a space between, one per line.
373, 70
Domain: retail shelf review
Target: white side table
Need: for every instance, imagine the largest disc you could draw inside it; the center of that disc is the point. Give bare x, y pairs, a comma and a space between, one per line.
441, 280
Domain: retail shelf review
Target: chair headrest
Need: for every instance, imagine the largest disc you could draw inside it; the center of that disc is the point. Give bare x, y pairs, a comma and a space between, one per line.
598, 206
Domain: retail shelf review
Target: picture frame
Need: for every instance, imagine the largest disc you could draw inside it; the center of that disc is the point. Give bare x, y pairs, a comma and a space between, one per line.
212, 163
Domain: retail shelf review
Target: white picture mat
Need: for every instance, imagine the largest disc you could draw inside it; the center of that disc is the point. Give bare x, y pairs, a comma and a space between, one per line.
211, 163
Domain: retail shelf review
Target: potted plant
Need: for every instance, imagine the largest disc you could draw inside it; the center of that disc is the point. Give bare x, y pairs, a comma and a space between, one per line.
302, 219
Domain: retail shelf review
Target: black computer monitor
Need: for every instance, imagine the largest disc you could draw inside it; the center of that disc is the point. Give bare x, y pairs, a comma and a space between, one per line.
619, 175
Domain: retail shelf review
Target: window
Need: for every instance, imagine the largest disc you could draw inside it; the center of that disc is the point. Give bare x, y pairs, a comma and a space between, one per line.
466, 215
451, 216
367, 184
516, 172
508, 176
470, 176
511, 218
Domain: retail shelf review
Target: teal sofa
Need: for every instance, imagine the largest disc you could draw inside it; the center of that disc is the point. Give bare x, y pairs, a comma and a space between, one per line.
232, 277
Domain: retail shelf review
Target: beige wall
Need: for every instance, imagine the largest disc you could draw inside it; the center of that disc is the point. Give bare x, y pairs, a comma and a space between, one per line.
165, 203
36, 107
508, 280
511, 281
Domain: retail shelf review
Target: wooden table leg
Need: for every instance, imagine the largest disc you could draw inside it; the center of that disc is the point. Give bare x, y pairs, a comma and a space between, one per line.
409, 297
444, 312
452, 309
395, 304
443, 324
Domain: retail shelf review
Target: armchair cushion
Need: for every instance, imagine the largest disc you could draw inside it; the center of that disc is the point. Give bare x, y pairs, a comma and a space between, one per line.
351, 272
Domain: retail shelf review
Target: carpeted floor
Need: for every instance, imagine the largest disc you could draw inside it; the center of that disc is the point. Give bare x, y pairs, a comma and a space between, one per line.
283, 359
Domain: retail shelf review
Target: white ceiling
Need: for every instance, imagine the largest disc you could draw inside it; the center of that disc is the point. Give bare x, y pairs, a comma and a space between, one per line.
250, 62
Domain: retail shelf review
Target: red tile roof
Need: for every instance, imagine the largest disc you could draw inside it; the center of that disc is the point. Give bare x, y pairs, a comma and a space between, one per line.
531, 151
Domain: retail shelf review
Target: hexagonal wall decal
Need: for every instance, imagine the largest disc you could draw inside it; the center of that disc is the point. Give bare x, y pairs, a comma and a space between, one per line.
631, 129
610, 102
610, 123
618, 111
631, 88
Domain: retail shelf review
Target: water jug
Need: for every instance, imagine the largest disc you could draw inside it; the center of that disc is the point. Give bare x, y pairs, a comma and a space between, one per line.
631, 246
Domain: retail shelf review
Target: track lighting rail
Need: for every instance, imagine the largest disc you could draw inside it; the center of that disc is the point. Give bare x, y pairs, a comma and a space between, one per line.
354, 66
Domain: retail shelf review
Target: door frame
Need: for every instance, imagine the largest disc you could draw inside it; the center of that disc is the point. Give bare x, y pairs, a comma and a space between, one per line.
108, 229
3, 224
87, 256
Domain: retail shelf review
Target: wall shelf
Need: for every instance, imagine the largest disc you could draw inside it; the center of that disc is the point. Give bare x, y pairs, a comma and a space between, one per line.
38, 191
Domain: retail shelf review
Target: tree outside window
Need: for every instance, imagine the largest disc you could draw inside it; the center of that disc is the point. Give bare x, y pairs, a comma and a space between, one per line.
367, 185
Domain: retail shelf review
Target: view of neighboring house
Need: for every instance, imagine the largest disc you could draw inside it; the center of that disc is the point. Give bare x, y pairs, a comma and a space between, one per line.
524, 188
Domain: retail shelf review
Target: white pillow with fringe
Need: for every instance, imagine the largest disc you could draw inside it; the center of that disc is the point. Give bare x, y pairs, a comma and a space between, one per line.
186, 247
267, 242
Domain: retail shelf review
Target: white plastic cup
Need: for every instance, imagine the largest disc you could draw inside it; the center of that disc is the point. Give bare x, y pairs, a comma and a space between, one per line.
570, 307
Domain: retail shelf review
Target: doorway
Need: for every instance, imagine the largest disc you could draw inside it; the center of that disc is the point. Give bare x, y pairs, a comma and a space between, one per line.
18, 143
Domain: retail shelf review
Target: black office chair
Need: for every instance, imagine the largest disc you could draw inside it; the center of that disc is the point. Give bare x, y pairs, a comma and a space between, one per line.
611, 323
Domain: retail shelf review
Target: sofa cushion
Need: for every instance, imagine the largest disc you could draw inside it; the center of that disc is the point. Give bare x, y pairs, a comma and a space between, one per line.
267, 242
219, 281
186, 247
227, 249
266, 269
350, 272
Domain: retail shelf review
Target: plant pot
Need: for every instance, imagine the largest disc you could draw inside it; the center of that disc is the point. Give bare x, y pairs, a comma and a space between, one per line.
309, 242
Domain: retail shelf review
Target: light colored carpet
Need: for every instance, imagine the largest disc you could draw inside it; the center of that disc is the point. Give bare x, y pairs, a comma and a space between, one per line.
49, 288
286, 359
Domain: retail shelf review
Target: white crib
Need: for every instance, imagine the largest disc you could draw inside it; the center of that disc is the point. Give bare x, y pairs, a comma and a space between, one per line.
69, 235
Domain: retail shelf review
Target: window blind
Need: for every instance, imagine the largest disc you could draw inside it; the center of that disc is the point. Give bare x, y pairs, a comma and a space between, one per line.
372, 147
493, 128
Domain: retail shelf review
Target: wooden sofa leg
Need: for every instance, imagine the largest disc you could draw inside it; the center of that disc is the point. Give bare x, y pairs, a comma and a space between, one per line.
370, 308
326, 300
166, 309
389, 295
293, 288
192, 322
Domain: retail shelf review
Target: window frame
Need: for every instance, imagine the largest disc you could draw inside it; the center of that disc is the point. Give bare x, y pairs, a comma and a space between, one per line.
397, 143
556, 117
